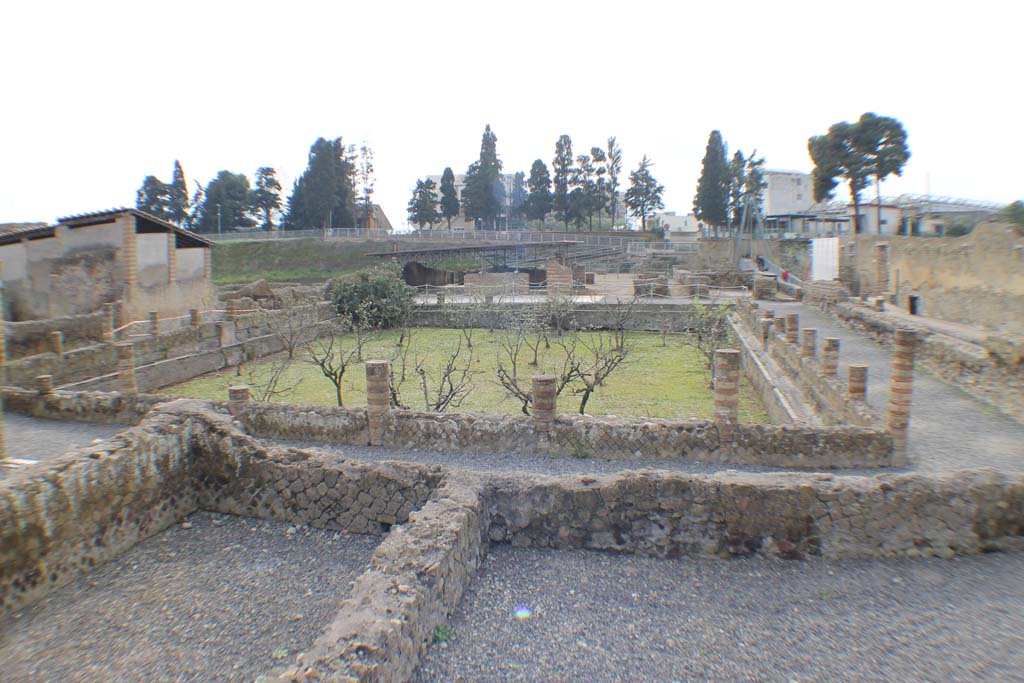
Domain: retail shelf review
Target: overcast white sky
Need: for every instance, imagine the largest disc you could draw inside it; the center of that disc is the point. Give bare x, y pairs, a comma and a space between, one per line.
97, 95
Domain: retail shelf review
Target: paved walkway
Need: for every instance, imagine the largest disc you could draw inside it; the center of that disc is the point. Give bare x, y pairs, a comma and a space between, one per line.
949, 429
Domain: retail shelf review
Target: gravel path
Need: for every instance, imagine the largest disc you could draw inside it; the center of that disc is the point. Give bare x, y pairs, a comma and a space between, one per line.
948, 428
34, 438
608, 618
224, 600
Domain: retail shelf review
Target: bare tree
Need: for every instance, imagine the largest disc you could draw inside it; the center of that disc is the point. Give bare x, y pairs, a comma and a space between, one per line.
467, 317
708, 331
266, 382
292, 321
454, 382
591, 358
329, 352
398, 367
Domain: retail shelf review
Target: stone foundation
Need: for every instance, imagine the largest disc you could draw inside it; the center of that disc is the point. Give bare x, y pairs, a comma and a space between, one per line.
61, 518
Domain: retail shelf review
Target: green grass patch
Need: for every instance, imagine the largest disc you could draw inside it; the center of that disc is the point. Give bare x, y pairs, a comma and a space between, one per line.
291, 260
656, 381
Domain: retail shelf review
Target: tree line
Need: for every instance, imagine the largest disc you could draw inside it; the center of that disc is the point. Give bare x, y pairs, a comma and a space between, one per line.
576, 190
335, 190
730, 191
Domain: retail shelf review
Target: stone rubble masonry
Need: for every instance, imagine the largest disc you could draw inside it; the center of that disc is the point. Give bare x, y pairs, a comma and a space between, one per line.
991, 370
35, 336
726, 393
63, 517
545, 399
378, 399
901, 389
101, 407
126, 383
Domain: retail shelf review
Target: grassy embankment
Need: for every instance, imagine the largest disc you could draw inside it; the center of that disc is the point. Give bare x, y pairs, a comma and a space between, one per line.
291, 260
656, 381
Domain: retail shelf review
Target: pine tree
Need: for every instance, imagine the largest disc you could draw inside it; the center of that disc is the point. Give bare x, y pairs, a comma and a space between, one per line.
480, 200
324, 195
266, 198
711, 202
153, 197
227, 201
538, 200
614, 154
423, 205
364, 176
643, 197
449, 197
883, 142
177, 205
836, 155
563, 180
519, 194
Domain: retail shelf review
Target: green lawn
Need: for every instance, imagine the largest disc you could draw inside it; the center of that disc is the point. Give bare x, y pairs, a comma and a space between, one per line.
655, 381
291, 260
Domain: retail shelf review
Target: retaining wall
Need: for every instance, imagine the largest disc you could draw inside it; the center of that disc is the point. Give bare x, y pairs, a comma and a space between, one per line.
33, 336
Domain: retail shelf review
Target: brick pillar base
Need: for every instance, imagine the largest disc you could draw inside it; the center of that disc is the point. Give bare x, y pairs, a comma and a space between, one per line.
857, 383
154, 324
830, 357
193, 317
44, 385
126, 383
238, 396
900, 389
727, 384
809, 343
57, 343
378, 399
544, 403
792, 328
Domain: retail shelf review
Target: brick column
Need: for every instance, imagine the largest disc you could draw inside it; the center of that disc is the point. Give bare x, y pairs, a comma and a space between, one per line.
193, 317
900, 388
238, 396
857, 383
378, 399
809, 343
172, 258
544, 403
727, 383
766, 331
232, 312
792, 328
44, 384
830, 356
126, 383
207, 264
154, 324
129, 257
57, 343
107, 324
881, 269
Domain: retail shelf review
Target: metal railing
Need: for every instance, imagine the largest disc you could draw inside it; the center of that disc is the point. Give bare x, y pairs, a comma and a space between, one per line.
630, 244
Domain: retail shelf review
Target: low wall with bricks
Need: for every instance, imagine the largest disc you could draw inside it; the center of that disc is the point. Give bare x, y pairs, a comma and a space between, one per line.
642, 317
992, 371
81, 406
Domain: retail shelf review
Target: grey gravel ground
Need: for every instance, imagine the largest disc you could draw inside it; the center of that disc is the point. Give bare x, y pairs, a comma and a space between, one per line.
209, 603
34, 438
606, 618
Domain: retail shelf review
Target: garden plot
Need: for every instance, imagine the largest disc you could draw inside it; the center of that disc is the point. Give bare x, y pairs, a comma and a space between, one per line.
217, 597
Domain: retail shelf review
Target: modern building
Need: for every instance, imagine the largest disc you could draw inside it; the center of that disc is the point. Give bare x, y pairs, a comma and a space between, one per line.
81, 262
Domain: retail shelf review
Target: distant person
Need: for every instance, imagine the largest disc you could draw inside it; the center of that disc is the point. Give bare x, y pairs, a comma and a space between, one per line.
760, 262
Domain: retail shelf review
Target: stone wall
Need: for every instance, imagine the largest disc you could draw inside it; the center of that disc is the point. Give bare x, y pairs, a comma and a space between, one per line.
85, 508
33, 336
642, 317
668, 514
796, 446
992, 371
976, 279
102, 407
